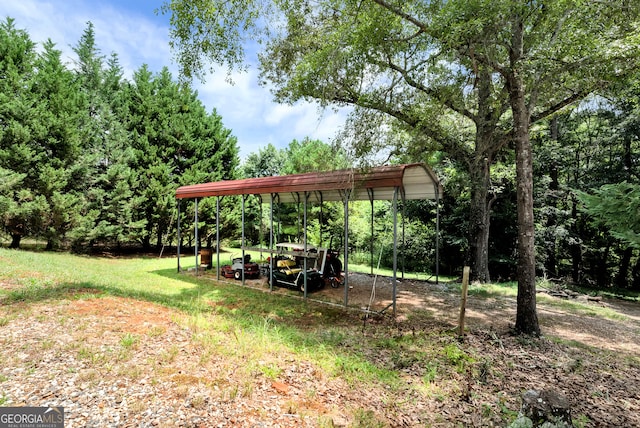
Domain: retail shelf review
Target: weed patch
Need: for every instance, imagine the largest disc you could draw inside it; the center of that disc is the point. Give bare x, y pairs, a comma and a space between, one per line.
236, 343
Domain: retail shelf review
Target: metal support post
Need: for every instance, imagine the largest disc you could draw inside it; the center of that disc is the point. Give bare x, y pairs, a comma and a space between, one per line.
404, 242
346, 247
218, 237
395, 247
370, 192
196, 237
304, 223
271, 262
242, 239
437, 231
179, 237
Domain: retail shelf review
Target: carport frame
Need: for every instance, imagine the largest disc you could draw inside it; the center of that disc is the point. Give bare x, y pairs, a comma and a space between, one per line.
391, 182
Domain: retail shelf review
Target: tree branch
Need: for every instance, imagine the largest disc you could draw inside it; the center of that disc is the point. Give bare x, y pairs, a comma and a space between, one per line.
577, 96
403, 15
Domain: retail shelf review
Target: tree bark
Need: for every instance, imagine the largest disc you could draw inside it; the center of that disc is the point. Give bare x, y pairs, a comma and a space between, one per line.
480, 221
15, 240
482, 196
635, 275
576, 248
551, 263
623, 270
601, 271
146, 243
159, 234
526, 315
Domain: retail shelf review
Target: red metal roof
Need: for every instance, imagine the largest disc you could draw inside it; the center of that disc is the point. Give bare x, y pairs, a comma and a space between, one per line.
415, 181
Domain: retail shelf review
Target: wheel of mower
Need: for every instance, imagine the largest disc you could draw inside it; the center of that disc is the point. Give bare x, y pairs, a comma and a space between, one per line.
335, 267
237, 274
334, 282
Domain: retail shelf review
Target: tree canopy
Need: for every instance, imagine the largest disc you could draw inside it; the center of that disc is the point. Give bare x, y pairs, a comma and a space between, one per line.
87, 157
501, 66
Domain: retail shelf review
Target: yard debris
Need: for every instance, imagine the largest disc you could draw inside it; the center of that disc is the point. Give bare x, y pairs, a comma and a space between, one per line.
546, 407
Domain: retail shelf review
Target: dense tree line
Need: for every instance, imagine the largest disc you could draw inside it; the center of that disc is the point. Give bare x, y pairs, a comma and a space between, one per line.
587, 193
586, 187
471, 79
587, 199
88, 157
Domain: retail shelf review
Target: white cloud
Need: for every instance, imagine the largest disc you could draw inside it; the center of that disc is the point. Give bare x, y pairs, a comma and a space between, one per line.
240, 100
42, 21
249, 111
280, 113
136, 40
138, 36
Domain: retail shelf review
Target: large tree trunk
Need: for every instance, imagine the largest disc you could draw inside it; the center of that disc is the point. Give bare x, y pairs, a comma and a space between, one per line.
15, 240
480, 221
526, 315
480, 173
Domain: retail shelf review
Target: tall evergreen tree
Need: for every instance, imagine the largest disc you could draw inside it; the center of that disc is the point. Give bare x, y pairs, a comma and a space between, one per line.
22, 208
106, 163
57, 142
176, 142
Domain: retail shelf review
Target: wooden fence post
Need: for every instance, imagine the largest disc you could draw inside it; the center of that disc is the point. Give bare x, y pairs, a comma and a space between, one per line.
463, 301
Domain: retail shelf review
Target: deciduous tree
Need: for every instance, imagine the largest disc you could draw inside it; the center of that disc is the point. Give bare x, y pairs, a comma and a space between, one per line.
496, 63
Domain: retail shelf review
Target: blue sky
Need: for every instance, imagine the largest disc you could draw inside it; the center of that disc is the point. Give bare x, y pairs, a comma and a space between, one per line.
139, 36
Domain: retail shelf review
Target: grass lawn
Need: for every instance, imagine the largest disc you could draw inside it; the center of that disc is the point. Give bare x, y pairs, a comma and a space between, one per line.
415, 369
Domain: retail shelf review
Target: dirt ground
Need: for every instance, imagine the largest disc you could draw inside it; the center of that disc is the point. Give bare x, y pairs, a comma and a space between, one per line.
73, 353
494, 313
579, 355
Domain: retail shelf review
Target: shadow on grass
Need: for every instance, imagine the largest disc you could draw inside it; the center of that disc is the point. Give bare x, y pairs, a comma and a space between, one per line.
198, 295
327, 333
187, 300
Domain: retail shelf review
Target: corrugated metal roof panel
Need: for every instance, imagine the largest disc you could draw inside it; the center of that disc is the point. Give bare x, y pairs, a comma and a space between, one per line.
416, 181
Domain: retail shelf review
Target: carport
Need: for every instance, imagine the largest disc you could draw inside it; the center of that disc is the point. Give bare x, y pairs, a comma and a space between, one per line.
392, 182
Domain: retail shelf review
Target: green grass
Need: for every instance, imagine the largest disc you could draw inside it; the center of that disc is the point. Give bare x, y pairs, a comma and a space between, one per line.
582, 308
262, 325
245, 314
129, 341
364, 268
258, 332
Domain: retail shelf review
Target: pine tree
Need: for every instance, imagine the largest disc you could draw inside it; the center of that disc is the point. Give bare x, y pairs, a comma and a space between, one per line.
21, 208
107, 158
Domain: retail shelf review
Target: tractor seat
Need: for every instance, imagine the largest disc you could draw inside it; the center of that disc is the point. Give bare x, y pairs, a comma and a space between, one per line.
286, 263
